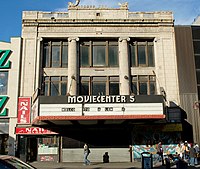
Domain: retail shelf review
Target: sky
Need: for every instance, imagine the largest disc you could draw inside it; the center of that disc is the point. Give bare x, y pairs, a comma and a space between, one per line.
184, 11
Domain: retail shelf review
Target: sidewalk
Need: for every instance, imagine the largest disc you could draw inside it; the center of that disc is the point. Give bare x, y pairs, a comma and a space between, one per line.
63, 165
125, 165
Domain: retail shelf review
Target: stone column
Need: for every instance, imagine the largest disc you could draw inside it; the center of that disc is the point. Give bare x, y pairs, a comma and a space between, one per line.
72, 66
124, 66
38, 65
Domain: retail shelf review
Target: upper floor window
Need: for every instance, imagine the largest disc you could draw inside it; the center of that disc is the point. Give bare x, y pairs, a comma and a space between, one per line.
55, 85
143, 85
99, 54
99, 86
55, 54
3, 82
141, 53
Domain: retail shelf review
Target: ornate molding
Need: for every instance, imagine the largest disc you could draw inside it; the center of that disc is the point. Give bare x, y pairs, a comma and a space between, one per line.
73, 39
70, 4
124, 39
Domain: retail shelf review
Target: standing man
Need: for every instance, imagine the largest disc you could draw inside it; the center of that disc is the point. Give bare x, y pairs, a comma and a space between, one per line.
86, 153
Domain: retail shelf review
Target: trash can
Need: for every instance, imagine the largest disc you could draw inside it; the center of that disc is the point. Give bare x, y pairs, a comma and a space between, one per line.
147, 161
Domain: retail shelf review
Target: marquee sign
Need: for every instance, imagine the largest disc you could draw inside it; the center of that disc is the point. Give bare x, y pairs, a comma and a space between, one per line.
101, 109
100, 99
100, 105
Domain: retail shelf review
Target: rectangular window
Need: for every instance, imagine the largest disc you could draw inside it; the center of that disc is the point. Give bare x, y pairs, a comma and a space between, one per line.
55, 85
196, 45
3, 82
84, 86
114, 86
55, 53
99, 54
141, 54
84, 54
99, 86
143, 85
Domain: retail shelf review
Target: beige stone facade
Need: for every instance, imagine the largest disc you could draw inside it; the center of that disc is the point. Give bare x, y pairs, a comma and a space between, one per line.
88, 21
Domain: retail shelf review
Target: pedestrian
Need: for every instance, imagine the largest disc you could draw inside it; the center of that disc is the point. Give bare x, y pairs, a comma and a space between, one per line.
86, 153
106, 158
192, 155
160, 151
196, 147
186, 151
178, 150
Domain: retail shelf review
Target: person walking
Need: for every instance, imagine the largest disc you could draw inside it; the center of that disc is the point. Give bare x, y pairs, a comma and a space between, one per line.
192, 155
196, 147
160, 151
186, 151
86, 153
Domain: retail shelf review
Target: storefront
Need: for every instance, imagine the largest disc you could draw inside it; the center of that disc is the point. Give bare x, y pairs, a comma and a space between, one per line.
4, 136
37, 144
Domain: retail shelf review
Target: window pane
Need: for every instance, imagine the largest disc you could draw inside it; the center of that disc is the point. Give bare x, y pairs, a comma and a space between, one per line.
64, 88
65, 56
113, 56
143, 78
84, 88
198, 87
99, 79
99, 56
143, 88
152, 88
132, 55
134, 88
114, 88
197, 61
3, 83
46, 56
84, 58
196, 47
99, 88
54, 86
150, 55
198, 76
141, 55
55, 56
46, 87
196, 32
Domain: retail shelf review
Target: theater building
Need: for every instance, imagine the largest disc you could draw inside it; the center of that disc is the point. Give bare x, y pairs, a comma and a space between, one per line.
103, 76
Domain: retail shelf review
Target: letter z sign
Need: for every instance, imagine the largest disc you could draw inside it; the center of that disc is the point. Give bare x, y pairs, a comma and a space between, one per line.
4, 62
3, 100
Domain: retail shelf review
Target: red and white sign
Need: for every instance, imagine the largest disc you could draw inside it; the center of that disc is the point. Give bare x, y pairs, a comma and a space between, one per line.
24, 110
33, 130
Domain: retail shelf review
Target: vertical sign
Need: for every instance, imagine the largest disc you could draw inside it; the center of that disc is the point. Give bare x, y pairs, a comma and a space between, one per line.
24, 110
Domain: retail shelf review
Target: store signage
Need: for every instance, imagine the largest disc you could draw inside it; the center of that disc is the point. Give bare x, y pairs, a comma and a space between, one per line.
4, 62
3, 100
24, 108
100, 99
33, 130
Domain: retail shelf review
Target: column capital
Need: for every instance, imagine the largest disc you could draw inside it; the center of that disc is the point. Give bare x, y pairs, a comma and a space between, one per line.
73, 39
124, 39
40, 39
